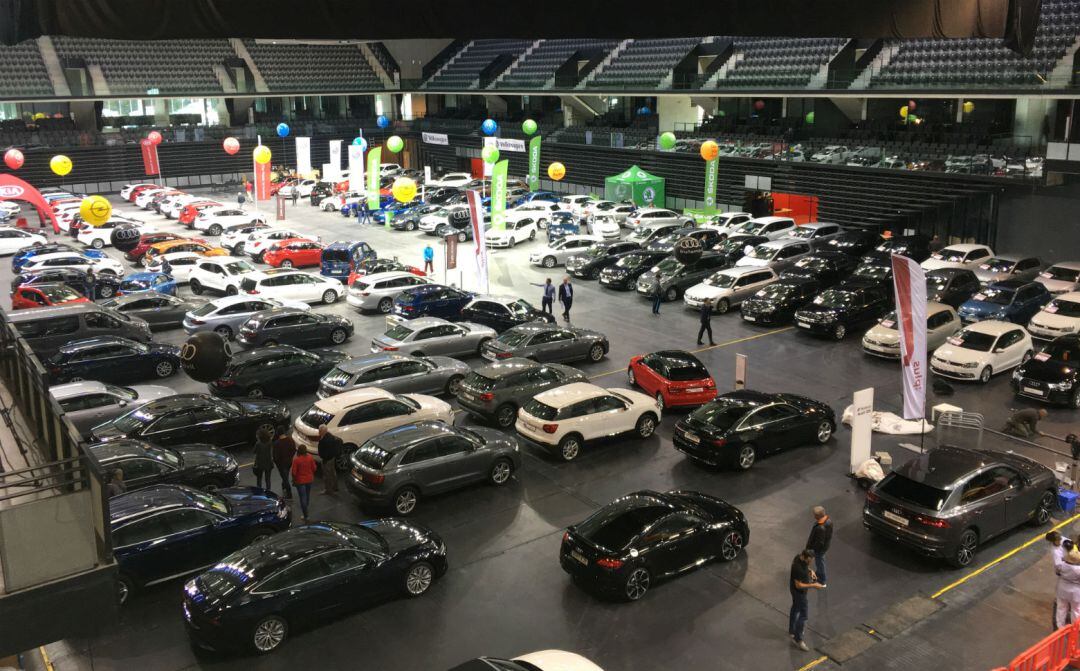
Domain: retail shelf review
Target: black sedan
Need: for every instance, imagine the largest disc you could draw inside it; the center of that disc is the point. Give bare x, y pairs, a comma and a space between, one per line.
875, 272
278, 371
914, 247
410, 220
1052, 375
159, 310
590, 263
708, 237
736, 247
143, 464
254, 597
112, 359
102, 286
623, 548
502, 312
951, 286
293, 326
738, 427
630, 266
835, 311
827, 268
777, 303
186, 418
165, 531
853, 243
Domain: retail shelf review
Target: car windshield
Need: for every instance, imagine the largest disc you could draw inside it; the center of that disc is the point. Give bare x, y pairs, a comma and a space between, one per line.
721, 413
973, 340
1061, 273
596, 252
872, 271
763, 252
59, 293
134, 285
758, 228
133, 421
1062, 307
122, 392
164, 456
802, 232
668, 266
631, 261
540, 410
640, 234
398, 332
613, 527
1068, 352
995, 296
520, 308
372, 456
834, 298
722, 280
905, 489
950, 255
777, 292
478, 382
210, 501
239, 267
935, 283
512, 338
732, 245
685, 371
315, 417
998, 265
605, 205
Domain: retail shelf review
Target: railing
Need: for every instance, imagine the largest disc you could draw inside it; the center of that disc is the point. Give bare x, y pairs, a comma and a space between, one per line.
1056, 652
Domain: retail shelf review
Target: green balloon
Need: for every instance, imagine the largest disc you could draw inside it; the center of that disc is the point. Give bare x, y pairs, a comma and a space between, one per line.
490, 154
721, 113
528, 126
395, 143
667, 140
809, 117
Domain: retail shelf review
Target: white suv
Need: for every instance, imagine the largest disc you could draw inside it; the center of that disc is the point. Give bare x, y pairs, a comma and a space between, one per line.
219, 273
214, 220
358, 415
99, 237
261, 240
292, 285
520, 227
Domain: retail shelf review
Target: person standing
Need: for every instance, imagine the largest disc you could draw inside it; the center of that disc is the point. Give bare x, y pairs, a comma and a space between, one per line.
1068, 587
566, 297
819, 541
295, 194
799, 582
1058, 556
363, 212
1025, 423
240, 198
657, 294
116, 485
264, 458
429, 259
936, 245
329, 449
303, 474
548, 299
284, 450
706, 322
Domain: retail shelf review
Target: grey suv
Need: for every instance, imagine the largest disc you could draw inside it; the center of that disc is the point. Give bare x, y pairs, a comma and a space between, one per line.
676, 277
494, 393
399, 373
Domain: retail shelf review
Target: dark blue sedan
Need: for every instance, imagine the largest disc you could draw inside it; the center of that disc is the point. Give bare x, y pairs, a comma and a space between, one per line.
432, 300
112, 359
1015, 301
23, 256
549, 196
168, 531
561, 225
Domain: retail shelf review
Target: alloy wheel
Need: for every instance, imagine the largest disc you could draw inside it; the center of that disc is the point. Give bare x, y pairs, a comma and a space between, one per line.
1046, 505
646, 426
405, 501
596, 353
549, 261
747, 456
722, 306
501, 471
731, 545
985, 375
419, 579
329, 297
630, 377
637, 583
839, 331
505, 416
224, 331
338, 336
659, 400
163, 369
255, 392
824, 431
286, 264
965, 551
385, 305
269, 634
570, 448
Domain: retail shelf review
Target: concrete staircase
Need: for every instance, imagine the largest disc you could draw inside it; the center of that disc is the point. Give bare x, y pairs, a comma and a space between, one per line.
381, 73
227, 84
821, 77
1061, 75
97, 79
447, 63
523, 56
584, 83
53, 67
722, 73
873, 67
245, 55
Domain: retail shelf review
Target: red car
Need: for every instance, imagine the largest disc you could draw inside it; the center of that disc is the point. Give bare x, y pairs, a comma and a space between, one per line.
276, 186
134, 193
45, 295
191, 210
294, 253
149, 239
674, 377
371, 266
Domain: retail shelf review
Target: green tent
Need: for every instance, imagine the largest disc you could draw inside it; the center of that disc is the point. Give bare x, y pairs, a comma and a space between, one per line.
637, 185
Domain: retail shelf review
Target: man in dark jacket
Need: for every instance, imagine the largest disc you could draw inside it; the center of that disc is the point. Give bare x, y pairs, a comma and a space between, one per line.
329, 449
800, 580
1025, 423
566, 297
706, 321
819, 541
284, 449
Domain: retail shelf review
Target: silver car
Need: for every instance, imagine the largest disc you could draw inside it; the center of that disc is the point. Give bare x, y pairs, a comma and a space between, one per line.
776, 254
494, 393
226, 315
432, 335
87, 404
1008, 267
646, 233
399, 373
547, 342
378, 291
815, 233
558, 252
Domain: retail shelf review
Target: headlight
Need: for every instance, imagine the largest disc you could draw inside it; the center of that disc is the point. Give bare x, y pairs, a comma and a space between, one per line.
1016, 374
973, 364
1059, 386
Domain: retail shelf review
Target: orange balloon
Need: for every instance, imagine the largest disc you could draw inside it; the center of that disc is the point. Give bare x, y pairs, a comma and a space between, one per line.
709, 150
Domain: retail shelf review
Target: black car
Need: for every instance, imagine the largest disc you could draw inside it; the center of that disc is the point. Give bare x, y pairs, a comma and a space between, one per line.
102, 286
736, 246
708, 237
442, 196
676, 277
914, 247
187, 418
459, 222
590, 263
951, 286
112, 359
278, 371
740, 426
630, 266
143, 464
637, 539
777, 303
321, 191
410, 220
853, 243
293, 326
872, 272
826, 268
502, 313
159, 310
834, 311
254, 597
1052, 374
165, 531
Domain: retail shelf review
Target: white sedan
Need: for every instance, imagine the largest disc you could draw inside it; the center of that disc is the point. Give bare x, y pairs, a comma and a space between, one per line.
125, 192
14, 239
234, 237
958, 256
303, 188
454, 179
556, 253
214, 220
541, 210
337, 201
100, 237
263, 239
104, 265
180, 264
293, 285
981, 350
604, 226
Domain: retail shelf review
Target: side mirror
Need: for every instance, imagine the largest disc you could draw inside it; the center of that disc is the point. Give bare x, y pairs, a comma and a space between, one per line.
999, 350
123, 404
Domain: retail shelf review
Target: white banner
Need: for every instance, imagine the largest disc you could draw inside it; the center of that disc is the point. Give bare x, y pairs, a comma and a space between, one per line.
510, 145
303, 155
328, 173
488, 167
476, 213
909, 284
335, 157
436, 138
862, 420
356, 168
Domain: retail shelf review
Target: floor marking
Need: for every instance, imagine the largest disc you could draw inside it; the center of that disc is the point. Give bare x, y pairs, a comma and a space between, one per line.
814, 663
45, 658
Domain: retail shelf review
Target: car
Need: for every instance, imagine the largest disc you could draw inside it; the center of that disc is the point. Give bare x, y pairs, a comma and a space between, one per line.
546, 342
129, 191
158, 283
914, 247
676, 277
430, 223
737, 245
624, 273
371, 266
532, 196
563, 419
184, 418
776, 303
588, 264
666, 243
864, 157
409, 219
560, 225
652, 216
454, 179
1008, 267
45, 295
556, 253
162, 532
776, 254
190, 211
395, 372
302, 187
339, 259
855, 243
255, 597
295, 253
111, 359
740, 427
968, 256
180, 265
673, 377
235, 237
727, 288
627, 546
291, 326
443, 196
398, 468
292, 285
1016, 301
883, 339
376, 292
182, 245
226, 315
99, 286
617, 212
321, 191
494, 393
503, 312
541, 211
773, 228
279, 371
1051, 375
824, 267
73, 260
146, 464
836, 311
459, 222
979, 351
147, 240
1061, 316
431, 300
89, 403
875, 272
647, 232
158, 310
221, 274
833, 153
260, 240
14, 239
517, 229
576, 203
816, 233
725, 222
1061, 277
947, 501
25, 255
338, 201
952, 286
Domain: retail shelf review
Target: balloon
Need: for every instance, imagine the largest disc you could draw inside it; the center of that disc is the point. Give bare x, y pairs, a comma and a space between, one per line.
359, 141
38, 117
13, 158
667, 140
60, 164
126, 237
231, 145
809, 117
688, 250
904, 112
261, 155
644, 111
154, 137
394, 143
721, 113
404, 190
490, 154
759, 105
95, 210
556, 171
528, 126
382, 121
489, 126
969, 107
283, 129
910, 105
709, 150
204, 356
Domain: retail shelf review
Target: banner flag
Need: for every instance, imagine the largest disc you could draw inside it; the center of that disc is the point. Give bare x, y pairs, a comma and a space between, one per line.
356, 168
476, 213
488, 142
498, 196
150, 158
261, 189
712, 168
335, 160
373, 160
303, 156
534, 164
909, 284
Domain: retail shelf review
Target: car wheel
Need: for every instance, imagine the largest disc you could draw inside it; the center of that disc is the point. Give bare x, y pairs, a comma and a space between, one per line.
462, 237
549, 262
238, 249
964, 553
505, 415
660, 400
259, 257
98, 243
631, 379
214, 230
224, 331
386, 305
269, 634
338, 336
722, 306
570, 447
746, 457
501, 471
1027, 355
419, 578
410, 226
196, 287
596, 353
259, 534
646, 425
164, 369
480, 347
231, 290
985, 374
106, 291
839, 332
731, 545
671, 294
286, 264
125, 587
637, 583
532, 235
1074, 400
453, 385
405, 500
329, 297
824, 431
542, 224
1046, 507
255, 392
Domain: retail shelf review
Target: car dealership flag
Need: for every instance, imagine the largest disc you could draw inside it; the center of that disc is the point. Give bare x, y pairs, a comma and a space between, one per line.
909, 283
712, 168
356, 168
150, 158
498, 196
534, 164
476, 214
373, 160
303, 156
335, 160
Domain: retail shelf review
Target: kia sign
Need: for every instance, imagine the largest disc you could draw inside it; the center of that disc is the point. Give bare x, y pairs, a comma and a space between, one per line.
11, 191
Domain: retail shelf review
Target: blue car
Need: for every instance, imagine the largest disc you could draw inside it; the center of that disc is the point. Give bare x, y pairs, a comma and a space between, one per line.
396, 210
112, 359
431, 300
167, 531
560, 225
23, 256
139, 282
340, 258
1015, 301
549, 196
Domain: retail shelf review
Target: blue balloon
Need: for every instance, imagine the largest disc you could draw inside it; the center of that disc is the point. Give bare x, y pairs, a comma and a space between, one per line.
383, 121
644, 111
489, 126
360, 142
283, 130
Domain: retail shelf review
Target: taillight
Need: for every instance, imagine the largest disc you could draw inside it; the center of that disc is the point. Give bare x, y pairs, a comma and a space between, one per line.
935, 522
719, 442
224, 382
610, 564
487, 396
389, 349
197, 322
503, 355
407, 308
871, 497
551, 428
709, 383
374, 478
565, 536
252, 291
365, 293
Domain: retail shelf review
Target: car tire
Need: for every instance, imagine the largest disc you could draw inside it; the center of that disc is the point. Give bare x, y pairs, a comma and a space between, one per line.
631, 379
570, 447
1074, 400
532, 235
549, 262
329, 297
286, 264
255, 392
985, 374
268, 634
164, 369
453, 385
637, 583
224, 331
824, 431
196, 287
98, 243
106, 292
338, 336
480, 346
722, 306
596, 353
671, 294
501, 472
505, 415
215, 229
259, 533
839, 332
1045, 509
231, 290
746, 457
418, 578
462, 237
238, 249
731, 545
411, 226
269, 343
964, 552
125, 588
405, 501
646, 425
541, 224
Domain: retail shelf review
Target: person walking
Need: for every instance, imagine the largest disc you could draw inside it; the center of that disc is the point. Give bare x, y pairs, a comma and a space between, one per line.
303, 474
166, 267
799, 582
706, 322
1025, 423
240, 199
264, 458
429, 259
329, 450
657, 294
284, 449
819, 541
548, 298
1068, 587
363, 212
295, 195
566, 297
116, 485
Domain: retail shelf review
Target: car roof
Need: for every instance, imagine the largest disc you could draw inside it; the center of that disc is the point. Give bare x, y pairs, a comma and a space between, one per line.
949, 273
816, 224
268, 313
769, 220
150, 499
783, 242
560, 397
423, 322
992, 327
188, 255
1069, 265
259, 353
176, 402
338, 402
55, 255
145, 275
258, 560
403, 437
91, 343
385, 275
1012, 257
73, 389
116, 449
943, 466
739, 271
506, 367
539, 327
966, 247
504, 299
366, 361
54, 311
272, 272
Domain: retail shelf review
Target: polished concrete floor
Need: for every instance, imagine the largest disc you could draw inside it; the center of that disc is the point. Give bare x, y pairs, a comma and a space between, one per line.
505, 593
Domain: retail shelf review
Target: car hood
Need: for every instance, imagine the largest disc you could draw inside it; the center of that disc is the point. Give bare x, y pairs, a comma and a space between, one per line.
201, 457
1055, 321
1057, 286
448, 363
766, 304
703, 291
883, 335
400, 535
250, 500
960, 354
748, 261
1047, 371
149, 392
558, 659
820, 310
936, 264
989, 275
983, 308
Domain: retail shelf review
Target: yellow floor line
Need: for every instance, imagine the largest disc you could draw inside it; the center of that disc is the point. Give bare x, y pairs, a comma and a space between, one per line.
45, 658
814, 663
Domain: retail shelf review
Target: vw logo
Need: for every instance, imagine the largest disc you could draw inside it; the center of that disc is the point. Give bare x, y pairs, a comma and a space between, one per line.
11, 191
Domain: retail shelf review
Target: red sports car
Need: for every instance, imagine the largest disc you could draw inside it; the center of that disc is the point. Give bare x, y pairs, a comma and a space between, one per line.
674, 377
370, 266
294, 253
191, 210
45, 295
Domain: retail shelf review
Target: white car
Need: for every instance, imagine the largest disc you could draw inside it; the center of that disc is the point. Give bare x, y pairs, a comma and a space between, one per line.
263, 239
337, 201
576, 203
564, 418
982, 350
292, 285
75, 260
180, 264
772, 228
303, 188
620, 212
234, 237
14, 239
883, 339
729, 287
775, 254
958, 256
656, 215
100, 237
9, 208
1059, 317
378, 291
520, 227
125, 191
387, 169
358, 415
214, 220
834, 153
219, 273
455, 179
225, 316
541, 210
727, 221
815, 232
1061, 277
171, 206
604, 226
429, 223
543, 660
145, 200
556, 253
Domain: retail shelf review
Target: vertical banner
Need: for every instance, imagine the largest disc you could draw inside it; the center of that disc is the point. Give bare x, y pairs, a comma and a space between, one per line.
386, 219
711, 169
261, 190
909, 284
423, 186
534, 164
335, 161
498, 195
150, 158
489, 142
303, 156
740, 371
279, 202
356, 168
476, 213
862, 421
451, 251
373, 159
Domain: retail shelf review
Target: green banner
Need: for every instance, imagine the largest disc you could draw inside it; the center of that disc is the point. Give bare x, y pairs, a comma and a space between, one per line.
389, 216
711, 170
534, 164
498, 196
374, 158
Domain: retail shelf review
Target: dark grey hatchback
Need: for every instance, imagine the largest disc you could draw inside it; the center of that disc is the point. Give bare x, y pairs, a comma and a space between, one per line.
944, 503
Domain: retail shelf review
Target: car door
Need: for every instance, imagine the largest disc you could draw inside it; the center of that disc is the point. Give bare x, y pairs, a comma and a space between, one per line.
982, 502
544, 346
140, 471
445, 339
939, 326
306, 590
142, 548
212, 424
611, 416
650, 374
410, 377
1009, 350
675, 543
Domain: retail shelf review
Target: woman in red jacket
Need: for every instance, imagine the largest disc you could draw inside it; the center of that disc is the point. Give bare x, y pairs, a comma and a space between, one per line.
303, 474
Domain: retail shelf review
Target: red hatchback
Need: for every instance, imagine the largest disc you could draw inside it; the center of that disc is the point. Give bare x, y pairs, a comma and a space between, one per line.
148, 239
294, 253
45, 295
674, 377
191, 210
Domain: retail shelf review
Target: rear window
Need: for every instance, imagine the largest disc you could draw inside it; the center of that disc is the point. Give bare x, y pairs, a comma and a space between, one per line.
372, 456
905, 489
218, 583
615, 526
398, 332
479, 382
513, 338
315, 417
248, 284
686, 371
540, 410
721, 413
335, 255
204, 309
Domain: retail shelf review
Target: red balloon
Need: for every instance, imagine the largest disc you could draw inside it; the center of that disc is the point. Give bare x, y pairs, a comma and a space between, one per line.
231, 145
910, 105
154, 137
13, 158
759, 105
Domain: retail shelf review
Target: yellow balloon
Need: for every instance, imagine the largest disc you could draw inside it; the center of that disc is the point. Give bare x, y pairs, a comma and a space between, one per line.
903, 112
262, 154
404, 190
95, 210
556, 171
969, 107
60, 164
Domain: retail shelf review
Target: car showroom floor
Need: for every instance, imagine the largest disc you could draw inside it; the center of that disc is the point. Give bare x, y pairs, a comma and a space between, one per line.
505, 593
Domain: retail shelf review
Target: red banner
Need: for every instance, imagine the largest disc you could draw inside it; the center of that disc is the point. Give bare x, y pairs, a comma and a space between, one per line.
150, 158
909, 285
262, 181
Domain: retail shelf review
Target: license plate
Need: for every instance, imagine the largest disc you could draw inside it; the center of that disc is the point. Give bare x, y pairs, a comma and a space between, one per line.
695, 390
1035, 392
895, 518
468, 396
749, 318
692, 438
802, 325
579, 557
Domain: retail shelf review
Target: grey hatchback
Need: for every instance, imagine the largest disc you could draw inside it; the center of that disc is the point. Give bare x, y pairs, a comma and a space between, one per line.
400, 466
398, 373
547, 342
494, 393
